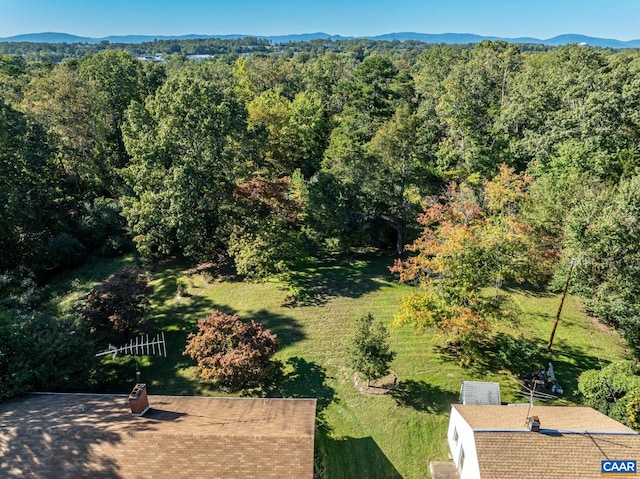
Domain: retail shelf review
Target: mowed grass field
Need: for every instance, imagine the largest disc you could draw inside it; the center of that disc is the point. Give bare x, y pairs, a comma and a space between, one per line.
360, 436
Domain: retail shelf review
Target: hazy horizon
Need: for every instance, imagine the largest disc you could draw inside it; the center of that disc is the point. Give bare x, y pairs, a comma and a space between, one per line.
544, 19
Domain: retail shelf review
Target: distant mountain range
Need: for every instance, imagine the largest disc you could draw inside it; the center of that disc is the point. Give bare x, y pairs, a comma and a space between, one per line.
453, 38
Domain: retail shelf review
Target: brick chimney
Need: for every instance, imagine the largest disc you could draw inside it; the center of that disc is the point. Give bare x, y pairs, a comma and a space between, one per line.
533, 423
138, 400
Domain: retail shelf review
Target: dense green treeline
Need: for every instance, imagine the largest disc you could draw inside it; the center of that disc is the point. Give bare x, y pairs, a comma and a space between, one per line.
268, 159
359, 47
56, 52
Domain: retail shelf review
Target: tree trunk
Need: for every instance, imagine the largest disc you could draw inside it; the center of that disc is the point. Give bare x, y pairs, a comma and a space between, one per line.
564, 293
399, 241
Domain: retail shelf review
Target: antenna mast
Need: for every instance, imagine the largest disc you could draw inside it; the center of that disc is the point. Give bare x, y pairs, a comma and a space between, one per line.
141, 346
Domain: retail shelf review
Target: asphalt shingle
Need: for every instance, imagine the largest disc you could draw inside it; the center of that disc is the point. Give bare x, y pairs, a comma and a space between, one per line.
81, 435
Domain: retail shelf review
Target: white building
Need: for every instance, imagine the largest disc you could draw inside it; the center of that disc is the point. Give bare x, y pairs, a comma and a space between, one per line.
503, 442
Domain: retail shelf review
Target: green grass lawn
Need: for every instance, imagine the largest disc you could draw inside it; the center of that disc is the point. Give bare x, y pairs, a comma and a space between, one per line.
361, 436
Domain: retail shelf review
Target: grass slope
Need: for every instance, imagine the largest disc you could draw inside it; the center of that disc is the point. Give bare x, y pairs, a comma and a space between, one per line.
360, 436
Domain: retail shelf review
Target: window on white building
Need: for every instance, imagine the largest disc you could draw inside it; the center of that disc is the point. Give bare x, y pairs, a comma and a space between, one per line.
461, 460
455, 435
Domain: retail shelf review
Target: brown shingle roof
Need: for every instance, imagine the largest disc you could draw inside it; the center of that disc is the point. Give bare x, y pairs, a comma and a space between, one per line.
531, 455
577, 419
75, 435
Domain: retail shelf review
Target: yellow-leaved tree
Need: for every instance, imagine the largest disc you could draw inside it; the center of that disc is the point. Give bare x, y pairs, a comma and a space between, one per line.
472, 239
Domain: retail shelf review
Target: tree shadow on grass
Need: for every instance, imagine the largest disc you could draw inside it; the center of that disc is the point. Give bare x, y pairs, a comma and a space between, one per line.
351, 458
95, 269
569, 363
422, 396
519, 355
335, 277
479, 359
183, 314
167, 375
303, 379
183, 317
287, 329
522, 356
165, 287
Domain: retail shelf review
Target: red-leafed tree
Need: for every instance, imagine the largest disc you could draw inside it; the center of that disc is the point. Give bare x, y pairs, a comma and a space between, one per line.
230, 352
119, 307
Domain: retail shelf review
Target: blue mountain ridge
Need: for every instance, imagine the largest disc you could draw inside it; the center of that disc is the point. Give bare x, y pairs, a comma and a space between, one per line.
452, 38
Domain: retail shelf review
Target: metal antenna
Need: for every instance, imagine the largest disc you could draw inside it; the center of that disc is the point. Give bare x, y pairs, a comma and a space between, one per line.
533, 390
138, 373
141, 346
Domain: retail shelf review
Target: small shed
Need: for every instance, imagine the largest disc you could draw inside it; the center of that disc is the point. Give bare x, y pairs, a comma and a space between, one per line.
480, 393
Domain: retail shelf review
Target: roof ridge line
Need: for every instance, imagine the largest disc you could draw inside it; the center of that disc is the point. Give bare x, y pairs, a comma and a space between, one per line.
559, 431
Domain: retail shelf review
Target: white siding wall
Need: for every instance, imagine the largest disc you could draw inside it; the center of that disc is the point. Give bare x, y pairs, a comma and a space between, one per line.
466, 442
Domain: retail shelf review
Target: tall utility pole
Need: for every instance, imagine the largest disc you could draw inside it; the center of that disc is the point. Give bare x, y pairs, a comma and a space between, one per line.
564, 293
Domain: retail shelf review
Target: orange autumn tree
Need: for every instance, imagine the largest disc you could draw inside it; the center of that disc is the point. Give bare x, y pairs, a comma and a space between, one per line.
472, 239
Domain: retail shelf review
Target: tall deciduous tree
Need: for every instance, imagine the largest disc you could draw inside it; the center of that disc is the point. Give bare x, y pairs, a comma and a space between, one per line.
29, 201
474, 94
471, 240
266, 237
73, 110
183, 143
602, 233
323, 76
120, 80
399, 176
261, 73
293, 131
574, 108
370, 100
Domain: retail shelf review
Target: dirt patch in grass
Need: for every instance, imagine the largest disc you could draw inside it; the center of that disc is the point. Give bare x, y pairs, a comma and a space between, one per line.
376, 387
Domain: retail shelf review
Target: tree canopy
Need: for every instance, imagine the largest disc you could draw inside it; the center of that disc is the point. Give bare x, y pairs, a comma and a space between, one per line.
369, 350
614, 390
494, 162
119, 307
472, 239
230, 352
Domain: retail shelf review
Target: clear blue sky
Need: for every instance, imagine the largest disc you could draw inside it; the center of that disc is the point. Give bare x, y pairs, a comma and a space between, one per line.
619, 19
